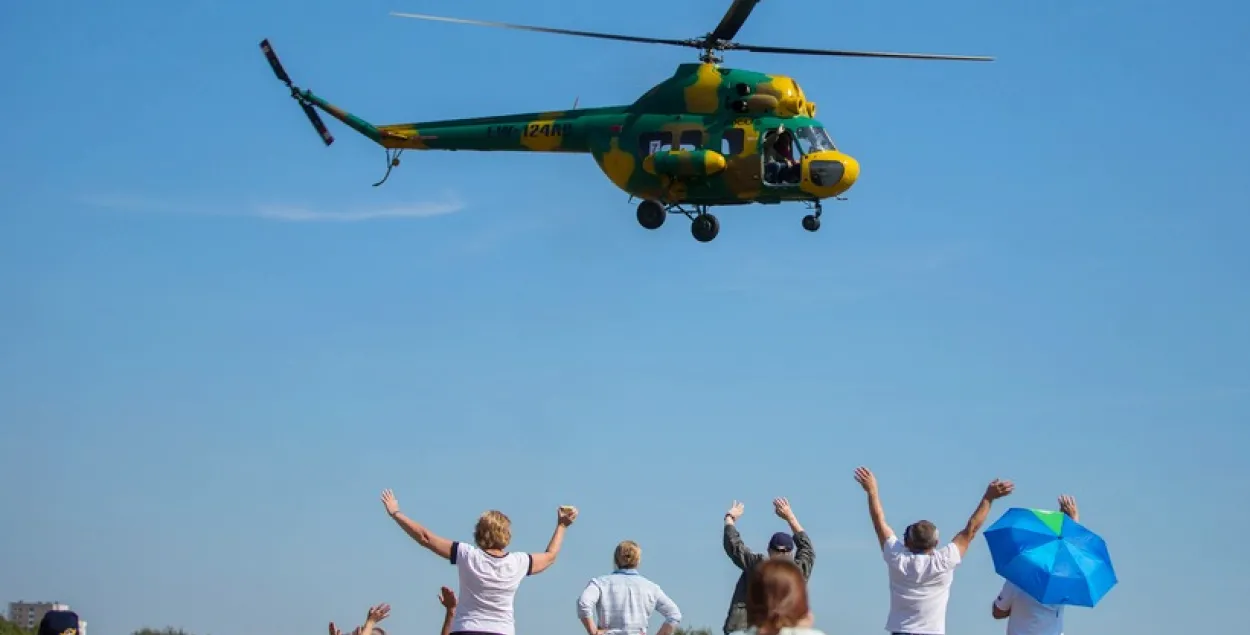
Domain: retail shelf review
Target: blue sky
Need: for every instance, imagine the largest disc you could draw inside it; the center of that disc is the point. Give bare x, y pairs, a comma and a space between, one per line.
214, 356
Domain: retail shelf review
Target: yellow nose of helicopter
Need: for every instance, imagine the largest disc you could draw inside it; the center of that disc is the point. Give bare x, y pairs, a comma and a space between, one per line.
829, 173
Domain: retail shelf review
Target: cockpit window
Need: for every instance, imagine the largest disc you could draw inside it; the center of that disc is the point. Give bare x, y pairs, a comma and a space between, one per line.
813, 139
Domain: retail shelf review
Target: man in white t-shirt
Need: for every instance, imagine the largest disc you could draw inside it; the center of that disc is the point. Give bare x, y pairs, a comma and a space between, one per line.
920, 573
1025, 615
489, 574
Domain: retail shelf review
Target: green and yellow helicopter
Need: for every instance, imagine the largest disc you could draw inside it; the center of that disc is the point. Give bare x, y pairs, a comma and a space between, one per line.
706, 137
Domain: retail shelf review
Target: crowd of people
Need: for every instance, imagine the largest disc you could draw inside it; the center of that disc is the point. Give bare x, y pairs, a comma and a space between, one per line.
770, 597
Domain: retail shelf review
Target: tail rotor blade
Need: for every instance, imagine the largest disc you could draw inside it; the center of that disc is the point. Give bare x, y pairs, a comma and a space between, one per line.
317, 123
274, 63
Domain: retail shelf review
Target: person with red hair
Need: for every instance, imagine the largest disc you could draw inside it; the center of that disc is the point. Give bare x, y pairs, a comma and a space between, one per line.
777, 600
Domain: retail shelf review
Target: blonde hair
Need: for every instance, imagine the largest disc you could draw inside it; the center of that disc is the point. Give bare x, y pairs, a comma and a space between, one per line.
493, 531
627, 555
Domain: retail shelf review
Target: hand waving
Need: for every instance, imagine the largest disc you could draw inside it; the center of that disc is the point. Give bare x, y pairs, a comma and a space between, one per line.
866, 479
998, 489
389, 501
447, 598
735, 510
334, 630
1067, 505
378, 613
566, 515
781, 507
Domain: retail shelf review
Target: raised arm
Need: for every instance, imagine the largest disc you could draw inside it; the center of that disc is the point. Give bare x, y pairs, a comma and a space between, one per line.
804, 554
737, 551
668, 608
376, 614
1067, 505
423, 536
876, 512
447, 598
996, 490
541, 561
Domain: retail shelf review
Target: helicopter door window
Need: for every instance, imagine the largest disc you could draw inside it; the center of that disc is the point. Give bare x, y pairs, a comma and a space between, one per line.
733, 141
781, 162
652, 142
691, 139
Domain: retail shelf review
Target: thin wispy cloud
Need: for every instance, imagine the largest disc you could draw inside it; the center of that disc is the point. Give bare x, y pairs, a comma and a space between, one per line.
305, 214
282, 212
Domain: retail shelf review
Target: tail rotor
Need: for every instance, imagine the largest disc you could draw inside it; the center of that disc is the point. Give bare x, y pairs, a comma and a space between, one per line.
313, 117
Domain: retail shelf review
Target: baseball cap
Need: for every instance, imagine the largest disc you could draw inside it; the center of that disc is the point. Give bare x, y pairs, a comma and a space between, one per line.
59, 623
781, 541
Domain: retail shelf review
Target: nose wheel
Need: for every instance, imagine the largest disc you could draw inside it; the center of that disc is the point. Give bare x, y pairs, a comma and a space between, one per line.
811, 222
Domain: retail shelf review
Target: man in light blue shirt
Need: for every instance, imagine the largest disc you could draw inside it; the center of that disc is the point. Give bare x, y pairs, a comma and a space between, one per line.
621, 602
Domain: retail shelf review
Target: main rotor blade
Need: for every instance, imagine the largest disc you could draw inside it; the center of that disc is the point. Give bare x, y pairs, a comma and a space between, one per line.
543, 29
798, 51
734, 18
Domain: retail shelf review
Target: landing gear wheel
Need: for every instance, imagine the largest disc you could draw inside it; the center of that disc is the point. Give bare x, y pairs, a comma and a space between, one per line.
705, 227
811, 223
651, 214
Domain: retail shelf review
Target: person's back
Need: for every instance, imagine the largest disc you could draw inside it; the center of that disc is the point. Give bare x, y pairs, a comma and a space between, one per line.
920, 586
488, 585
625, 600
920, 573
1027, 615
796, 547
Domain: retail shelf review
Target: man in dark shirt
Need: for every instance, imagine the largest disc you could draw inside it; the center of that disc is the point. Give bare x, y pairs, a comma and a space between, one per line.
782, 545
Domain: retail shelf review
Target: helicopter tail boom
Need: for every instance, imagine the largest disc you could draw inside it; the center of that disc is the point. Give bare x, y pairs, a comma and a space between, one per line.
355, 123
560, 131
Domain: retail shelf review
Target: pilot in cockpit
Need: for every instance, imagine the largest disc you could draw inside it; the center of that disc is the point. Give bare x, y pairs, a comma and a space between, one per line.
780, 165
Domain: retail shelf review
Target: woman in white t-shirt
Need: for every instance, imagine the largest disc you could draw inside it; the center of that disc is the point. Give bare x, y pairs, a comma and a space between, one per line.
777, 601
489, 575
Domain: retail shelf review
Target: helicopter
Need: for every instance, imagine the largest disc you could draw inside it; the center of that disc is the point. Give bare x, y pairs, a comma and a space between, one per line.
706, 137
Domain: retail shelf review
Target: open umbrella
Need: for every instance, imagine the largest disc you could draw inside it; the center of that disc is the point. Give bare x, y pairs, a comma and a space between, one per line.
1051, 557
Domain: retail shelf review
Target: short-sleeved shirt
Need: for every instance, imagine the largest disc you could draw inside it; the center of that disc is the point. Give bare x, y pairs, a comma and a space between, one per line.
488, 584
1028, 616
920, 586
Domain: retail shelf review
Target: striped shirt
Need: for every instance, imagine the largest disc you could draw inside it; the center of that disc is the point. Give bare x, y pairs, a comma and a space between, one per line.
621, 603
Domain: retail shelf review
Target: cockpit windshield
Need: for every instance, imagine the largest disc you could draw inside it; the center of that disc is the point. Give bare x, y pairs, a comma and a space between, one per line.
813, 139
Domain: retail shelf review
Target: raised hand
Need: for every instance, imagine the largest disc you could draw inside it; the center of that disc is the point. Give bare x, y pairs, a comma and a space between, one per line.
998, 489
389, 501
378, 613
735, 510
1067, 505
447, 598
866, 479
566, 515
334, 630
781, 507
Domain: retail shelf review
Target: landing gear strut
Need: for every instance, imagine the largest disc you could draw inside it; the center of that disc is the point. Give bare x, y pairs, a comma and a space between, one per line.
703, 225
811, 222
